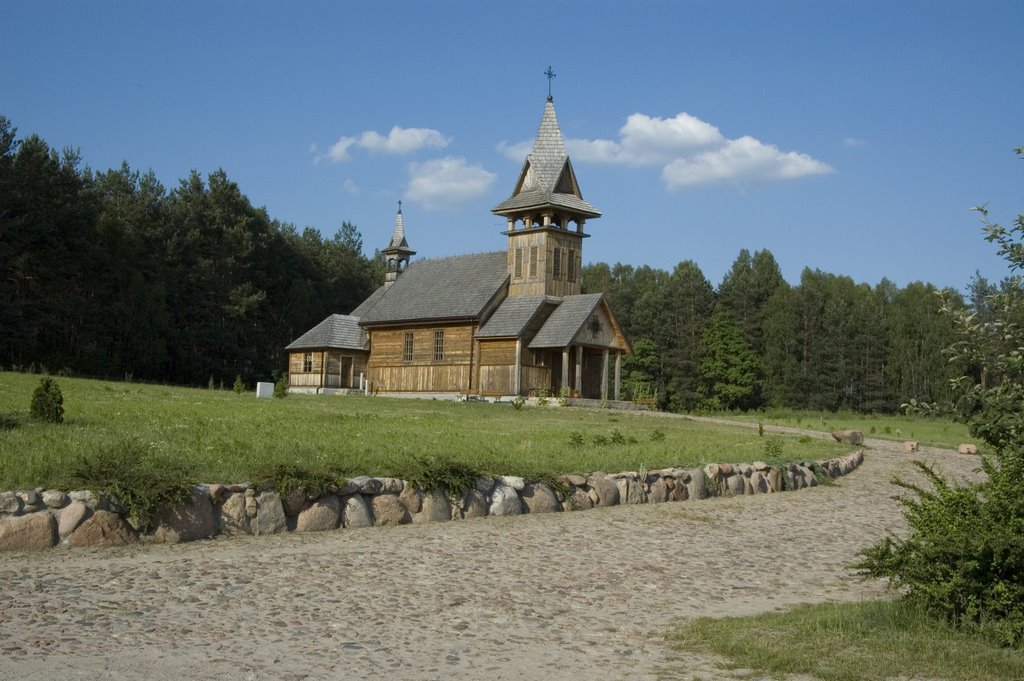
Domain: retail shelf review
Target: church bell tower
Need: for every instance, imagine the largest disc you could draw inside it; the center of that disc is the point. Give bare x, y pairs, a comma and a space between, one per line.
398, 253
546, 214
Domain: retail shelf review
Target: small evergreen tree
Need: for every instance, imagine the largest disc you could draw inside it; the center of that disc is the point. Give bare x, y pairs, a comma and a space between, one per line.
48, 402
729, 370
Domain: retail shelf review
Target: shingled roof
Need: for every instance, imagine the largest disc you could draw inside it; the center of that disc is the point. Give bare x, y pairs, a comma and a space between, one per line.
547, 178
566, 321
338, 331
511, 318
457, 287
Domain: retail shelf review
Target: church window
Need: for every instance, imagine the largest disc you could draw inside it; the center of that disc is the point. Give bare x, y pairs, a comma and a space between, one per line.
556, 266
533, 261
572, 266
519, 263
307, 362
439, 346
407, 347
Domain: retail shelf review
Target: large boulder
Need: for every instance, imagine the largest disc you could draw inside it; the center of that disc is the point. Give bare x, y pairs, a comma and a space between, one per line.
270, 517
539, 498
505, 501
28, 532
186, 520
967, 449
356, 513
322, 514
233, 517
104, 528
435, 507
605, 488
71, 516
474, 504
850, 437
388, 510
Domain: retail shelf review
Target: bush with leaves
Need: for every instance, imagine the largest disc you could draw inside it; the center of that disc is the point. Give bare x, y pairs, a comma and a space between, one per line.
48, 402
963, 557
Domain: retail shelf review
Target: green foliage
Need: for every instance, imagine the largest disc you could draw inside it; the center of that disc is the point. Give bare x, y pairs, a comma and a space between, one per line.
576, 438
9, 420
239, 385
657, 436
518, 402
47, 402
138, 478
281, 386
443, 473
963, 558
773, 448
286, 477
729, 370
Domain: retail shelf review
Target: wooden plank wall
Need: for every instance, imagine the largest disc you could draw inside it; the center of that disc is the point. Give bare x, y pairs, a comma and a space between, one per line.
390, 373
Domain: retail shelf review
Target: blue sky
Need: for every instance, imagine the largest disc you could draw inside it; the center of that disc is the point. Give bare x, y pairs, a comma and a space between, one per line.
852, 137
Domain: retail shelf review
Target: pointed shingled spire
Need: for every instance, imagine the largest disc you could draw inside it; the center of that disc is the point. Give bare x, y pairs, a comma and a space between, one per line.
547, 179
398, 236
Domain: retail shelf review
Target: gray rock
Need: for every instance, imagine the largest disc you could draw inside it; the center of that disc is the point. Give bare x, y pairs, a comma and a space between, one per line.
635, 493
760, 466
322, 514
850, 437
474, 504
10, 502
505, 501
356, 513
28, 532
71, 516
389, 511
513, 481
186, 521
55, 498
579, 500
809, 477
390, 485
104, 528
679, 493
758, 483
85, 496
483, 485
216, 491
774, 476
605, 488
967, 449
294, 502
734, 484
572, 480
695, 486
30, 497
435, 507
412, 499
539, 498
270, 517
659, 491
367, 485
233, 515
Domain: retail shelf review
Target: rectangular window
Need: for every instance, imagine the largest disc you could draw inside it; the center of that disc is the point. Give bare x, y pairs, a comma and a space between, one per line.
439, 346
407, 347
307, 362
533, 261
572, 265
519, 263
556, 265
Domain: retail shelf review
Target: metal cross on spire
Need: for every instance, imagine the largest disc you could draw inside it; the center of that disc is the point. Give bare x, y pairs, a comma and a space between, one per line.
550, 74
399, 205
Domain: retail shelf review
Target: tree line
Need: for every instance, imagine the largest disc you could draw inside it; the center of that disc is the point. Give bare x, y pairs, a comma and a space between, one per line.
756, 341
110, 274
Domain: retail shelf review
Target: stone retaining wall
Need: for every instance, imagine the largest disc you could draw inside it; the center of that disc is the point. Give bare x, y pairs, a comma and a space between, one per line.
37, 519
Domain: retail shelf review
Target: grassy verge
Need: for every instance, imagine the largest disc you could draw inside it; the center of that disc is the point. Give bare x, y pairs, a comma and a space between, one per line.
871, 641
218, 436
934, 432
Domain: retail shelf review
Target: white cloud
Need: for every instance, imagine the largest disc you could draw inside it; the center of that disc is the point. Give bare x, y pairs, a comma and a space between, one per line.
690, 151
398, 141
351, 187
743, 159
446, 182
853, 142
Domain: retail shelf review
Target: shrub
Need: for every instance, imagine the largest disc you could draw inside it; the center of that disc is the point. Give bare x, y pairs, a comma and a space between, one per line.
140, 480
48, 402
281, 386
443, 473
239, 386
284, 478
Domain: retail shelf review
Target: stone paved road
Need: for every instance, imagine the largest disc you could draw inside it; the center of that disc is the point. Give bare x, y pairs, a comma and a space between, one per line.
559, 596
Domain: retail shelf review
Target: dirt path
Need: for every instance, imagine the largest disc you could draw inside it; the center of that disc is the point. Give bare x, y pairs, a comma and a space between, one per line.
560, 596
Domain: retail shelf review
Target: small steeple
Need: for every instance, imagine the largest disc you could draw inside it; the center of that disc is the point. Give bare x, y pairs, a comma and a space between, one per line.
398, 253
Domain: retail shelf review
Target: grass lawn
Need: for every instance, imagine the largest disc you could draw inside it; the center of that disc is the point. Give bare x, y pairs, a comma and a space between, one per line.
935, 432
871, 641
223, 437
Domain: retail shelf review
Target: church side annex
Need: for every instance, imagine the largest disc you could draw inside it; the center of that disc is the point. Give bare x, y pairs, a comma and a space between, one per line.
491, 325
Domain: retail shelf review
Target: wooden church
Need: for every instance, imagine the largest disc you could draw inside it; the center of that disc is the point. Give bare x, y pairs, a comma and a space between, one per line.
500, 324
